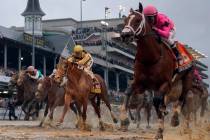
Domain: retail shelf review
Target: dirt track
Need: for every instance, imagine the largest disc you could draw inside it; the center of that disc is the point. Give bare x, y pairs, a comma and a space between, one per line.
20, 130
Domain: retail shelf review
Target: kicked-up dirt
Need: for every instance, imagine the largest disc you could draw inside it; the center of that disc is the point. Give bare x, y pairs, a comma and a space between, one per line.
29, 130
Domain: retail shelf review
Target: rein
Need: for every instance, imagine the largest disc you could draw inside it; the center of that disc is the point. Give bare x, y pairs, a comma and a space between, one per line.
138, 35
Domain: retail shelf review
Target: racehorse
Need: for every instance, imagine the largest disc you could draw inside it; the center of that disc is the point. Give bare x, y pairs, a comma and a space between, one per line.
138, 102
30, 107
196, 100
13, 83
53, 94
78, 88
154, 66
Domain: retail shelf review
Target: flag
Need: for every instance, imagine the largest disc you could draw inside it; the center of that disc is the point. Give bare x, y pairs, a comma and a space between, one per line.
68, 48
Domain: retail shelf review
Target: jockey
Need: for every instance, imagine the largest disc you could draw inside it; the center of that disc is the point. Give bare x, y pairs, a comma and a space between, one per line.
84, 59
34, 73
163, 26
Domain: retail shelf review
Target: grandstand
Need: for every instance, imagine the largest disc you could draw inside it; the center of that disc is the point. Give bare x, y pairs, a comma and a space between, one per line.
113, 60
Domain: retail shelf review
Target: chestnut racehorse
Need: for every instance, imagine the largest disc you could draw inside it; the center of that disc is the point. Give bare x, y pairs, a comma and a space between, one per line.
154, 66
53, 94
78, 88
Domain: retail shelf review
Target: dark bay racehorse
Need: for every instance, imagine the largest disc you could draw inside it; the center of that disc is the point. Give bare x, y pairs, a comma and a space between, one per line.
138, 102
196, 99
78, 88
154, 65
53, 94
20, 91
30, 107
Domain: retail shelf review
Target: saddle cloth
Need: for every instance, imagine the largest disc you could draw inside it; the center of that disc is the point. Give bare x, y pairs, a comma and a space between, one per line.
96, 88
187, 58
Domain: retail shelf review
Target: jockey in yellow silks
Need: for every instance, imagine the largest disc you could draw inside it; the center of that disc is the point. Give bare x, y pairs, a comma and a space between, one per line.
83, 59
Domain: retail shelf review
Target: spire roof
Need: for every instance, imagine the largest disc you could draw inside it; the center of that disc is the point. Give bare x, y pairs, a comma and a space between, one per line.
33, 8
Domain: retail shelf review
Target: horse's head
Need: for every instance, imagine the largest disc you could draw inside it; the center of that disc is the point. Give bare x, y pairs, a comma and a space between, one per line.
43, 86
21, 78
13, 80
60, 71
134, 24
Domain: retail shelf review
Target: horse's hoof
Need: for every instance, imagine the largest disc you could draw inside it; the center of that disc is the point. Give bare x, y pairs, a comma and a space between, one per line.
159, 135
59, 124
175, 120
86, 127
115, 120
40, 125
124, 124
101, 126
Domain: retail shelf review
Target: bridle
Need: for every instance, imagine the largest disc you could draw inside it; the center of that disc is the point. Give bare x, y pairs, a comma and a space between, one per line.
139, 34
141, 26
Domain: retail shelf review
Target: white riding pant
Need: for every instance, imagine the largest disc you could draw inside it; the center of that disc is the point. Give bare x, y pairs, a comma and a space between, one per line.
171, 39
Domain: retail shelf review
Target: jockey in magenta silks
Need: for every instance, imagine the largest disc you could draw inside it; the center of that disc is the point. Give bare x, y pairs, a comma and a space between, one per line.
163, 26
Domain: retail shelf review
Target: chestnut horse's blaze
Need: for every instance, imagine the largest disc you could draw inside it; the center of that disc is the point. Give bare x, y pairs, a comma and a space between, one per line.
154, 66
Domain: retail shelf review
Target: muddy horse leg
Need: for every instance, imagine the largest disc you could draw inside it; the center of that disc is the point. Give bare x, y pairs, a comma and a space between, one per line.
131, 115
97, 111
45, 115
157, 104
148, 112
66, 107
138, 115
84, 116
186, 86
123, 111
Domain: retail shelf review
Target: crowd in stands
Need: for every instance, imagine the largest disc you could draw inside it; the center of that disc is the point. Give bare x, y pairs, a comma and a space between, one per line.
8, 72
83, 33
114, 61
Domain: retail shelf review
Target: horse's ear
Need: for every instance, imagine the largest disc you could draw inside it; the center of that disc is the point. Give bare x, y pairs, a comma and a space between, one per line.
131, 10
140, 7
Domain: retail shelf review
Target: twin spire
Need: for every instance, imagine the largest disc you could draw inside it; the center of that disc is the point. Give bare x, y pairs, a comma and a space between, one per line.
33, 8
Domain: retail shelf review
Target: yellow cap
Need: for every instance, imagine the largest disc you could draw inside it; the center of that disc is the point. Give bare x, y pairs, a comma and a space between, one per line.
78, 48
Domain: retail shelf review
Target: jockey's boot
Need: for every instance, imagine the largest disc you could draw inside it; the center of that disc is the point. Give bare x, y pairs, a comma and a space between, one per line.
176, 52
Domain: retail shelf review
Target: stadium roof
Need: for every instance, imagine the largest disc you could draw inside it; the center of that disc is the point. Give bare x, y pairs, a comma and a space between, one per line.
11, 34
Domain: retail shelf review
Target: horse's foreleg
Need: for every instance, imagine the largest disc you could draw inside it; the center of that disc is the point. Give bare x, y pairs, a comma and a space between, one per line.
148, 111
97, 111
138, 115
66, 107
45, 115
130, 114
84, 116
157, 102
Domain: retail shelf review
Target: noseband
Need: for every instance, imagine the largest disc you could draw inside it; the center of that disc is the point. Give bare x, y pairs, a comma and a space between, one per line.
141, 26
